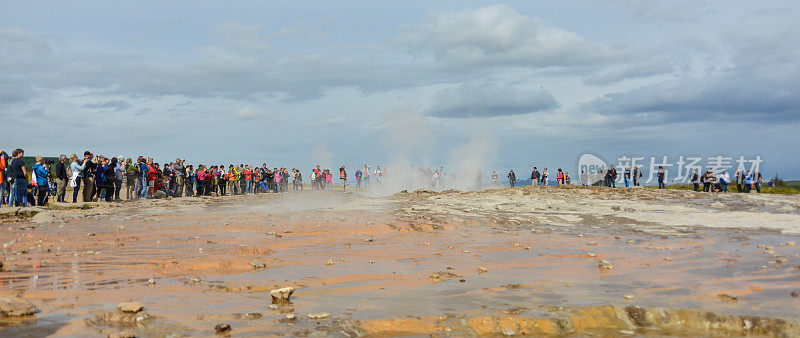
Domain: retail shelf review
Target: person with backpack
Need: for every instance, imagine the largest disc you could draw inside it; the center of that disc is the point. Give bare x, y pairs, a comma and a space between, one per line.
512, 178
559, 177
42, 174
545, 174
343, 177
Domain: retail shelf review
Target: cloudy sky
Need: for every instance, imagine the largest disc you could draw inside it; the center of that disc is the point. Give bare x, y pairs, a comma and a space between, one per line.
348, 82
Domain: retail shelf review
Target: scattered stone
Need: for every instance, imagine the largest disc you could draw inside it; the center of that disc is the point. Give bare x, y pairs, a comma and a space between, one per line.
450, 267
151, 281
273, 306
195, 280
369, 239
465, 251
630, 241
371, 262
728, 297
253, 315
781, 260
509, 332
290, 316
258, 264
482, 270
591, 254
282, 294
794, 294
617, 237
16, 306
627, 332
318, 315
667, 259
462, 280
130, 307
329, 262
605, 265
628, 297
790, 243
580, 235
222, 328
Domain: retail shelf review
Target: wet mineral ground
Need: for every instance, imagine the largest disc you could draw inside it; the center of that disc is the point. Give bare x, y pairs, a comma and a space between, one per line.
521, 261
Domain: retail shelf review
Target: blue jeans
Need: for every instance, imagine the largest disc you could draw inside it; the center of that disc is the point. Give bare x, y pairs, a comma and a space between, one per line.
145, 188
627, 182
249, 186
20, 192
2, 193
661, 184
724, 187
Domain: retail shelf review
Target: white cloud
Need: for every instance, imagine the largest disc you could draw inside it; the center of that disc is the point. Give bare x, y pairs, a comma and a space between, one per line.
499, 35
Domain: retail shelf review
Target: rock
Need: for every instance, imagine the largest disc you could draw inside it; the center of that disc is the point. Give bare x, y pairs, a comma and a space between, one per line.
462, 280
369, 239
329, 262
605, 265
371, 262
130, 307
794, 294
273, 306
318, 315
591, 243
151, 281
790, 243
258, 264
16, 306
627, 297
781, 260
728, 297
627, 332
509, 332
282, 294
119, 318
450, 267
195, 280
482, 270
290, 316
591, 254
464, 251
222, 328
122, 334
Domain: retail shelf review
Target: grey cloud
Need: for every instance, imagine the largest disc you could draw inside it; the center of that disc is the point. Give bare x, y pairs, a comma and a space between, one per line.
634, 70
489, 101
116, 105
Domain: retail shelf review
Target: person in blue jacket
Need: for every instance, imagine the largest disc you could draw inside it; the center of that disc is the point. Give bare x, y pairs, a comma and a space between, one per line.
42, 174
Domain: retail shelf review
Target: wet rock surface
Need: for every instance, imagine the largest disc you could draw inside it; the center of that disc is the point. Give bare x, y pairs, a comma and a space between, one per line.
519, 257
16, 306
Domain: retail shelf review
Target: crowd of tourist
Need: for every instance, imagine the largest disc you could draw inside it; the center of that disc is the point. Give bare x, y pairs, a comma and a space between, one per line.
101, 178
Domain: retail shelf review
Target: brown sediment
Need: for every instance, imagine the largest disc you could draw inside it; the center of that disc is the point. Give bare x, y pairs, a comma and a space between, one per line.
391, 257
591, 320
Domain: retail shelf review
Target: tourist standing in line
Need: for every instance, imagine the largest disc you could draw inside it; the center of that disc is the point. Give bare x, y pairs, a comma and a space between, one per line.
695, 180
757, 180
88, 176
626, 175
119, 175
724, 180
61, 178
739, 180
3, 166
42, 174
559, 177
545, 174
661, 175
637, 175
512, 178
179, 172
19, 173
535, 176
612, 177
343, 177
